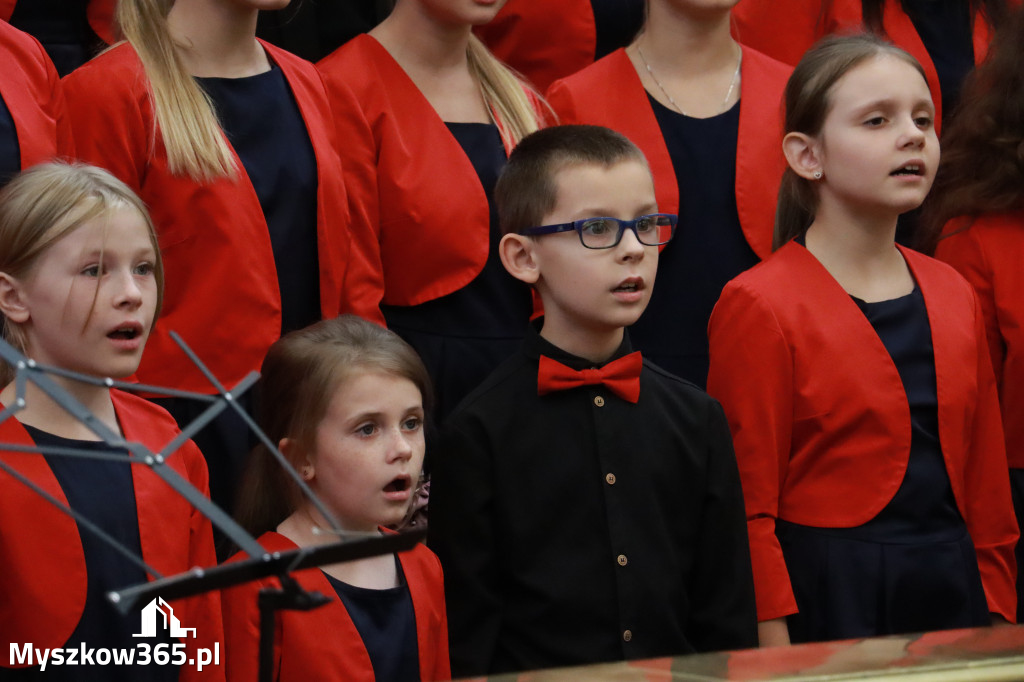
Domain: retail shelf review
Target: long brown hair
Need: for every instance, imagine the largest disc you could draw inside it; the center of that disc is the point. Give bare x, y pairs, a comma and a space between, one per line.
300, 375
42, 205
982, 168
808, 101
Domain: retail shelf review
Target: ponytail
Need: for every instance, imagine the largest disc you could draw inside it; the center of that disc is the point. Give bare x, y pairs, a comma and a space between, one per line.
505, 95
185, 117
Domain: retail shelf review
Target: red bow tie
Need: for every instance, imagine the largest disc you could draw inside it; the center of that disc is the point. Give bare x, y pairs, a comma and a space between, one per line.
621, 376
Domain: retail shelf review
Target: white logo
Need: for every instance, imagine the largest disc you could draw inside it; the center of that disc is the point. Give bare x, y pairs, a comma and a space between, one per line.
171, 622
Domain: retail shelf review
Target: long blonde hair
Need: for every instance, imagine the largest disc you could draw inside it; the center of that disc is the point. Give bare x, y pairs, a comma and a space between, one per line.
504, 93
44, 204
185, 118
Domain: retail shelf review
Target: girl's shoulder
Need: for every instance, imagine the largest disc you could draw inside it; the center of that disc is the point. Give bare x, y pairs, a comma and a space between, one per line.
114, 73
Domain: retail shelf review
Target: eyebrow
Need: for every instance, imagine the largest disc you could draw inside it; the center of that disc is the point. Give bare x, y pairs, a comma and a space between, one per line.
888, 103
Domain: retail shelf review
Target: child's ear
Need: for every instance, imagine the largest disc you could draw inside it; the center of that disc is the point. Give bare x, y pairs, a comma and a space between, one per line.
518, 256
306, 470
803, 155
12, 303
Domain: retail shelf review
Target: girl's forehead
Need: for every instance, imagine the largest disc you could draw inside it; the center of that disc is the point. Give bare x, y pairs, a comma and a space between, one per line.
879, 77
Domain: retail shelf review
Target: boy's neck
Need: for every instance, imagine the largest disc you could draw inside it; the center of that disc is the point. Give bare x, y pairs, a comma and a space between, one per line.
593, 345
43, 413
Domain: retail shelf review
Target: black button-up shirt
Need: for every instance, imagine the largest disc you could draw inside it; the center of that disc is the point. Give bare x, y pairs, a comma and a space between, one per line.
577, 527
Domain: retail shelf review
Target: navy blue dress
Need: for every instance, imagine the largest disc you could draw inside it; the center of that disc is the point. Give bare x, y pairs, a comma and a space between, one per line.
708, 249
913, 567
262, 121
102, 492
387, 625
10, 149
464, 336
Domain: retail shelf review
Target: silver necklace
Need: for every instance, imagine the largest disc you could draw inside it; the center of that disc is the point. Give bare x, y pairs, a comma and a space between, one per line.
725, 102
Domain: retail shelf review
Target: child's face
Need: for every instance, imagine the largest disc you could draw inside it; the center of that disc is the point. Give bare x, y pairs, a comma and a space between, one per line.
878, 149
90, 298
462, 12
595, 291
369, 450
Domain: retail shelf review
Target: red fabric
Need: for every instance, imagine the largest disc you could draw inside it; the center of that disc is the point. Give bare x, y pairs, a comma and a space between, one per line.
44, 567
222, 295
787, 35
101, 19
622, 376
820, 419
544, 41
990, 254
31, 89
323, 644
583, 98
420, 215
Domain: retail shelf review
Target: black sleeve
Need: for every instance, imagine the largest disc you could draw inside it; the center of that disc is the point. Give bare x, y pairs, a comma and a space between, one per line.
463, 536
724, 615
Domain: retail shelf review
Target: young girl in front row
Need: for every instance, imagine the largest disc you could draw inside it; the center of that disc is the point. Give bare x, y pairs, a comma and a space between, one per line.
344, 400
81, 282
856, 378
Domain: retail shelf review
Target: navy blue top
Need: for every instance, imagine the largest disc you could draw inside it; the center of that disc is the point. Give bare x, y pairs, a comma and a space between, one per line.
616, 22
946, 29
387, 624
263, 123
494, 303
924, 507
10, 150
463, 336
102, 492
708, 249
62, 26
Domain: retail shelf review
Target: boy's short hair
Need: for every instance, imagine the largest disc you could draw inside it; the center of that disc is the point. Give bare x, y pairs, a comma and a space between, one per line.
526, 190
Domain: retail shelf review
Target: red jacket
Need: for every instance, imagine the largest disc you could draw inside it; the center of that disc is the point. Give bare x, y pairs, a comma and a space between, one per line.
787, 35
323, 644
583, 98
820, 418
420, 216
222, 295
990, 254
544, 41
44, 565
31, 89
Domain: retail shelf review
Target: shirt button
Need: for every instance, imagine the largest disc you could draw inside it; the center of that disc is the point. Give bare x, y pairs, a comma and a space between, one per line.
627, 635
610, 479
622, 560
599, 401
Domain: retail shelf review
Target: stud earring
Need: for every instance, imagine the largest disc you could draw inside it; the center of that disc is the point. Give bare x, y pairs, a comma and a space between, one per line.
818, 175
307, 473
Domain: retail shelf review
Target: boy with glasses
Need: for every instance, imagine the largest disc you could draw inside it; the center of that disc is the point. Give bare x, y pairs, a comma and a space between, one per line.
586, 504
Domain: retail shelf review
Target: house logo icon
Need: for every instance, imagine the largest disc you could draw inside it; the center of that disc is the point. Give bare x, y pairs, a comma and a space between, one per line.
159, 608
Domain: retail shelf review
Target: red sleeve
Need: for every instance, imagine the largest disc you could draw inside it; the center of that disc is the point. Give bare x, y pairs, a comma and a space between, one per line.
751, 374
205, 608
364, 279
242, 632
964, 252
988, 506
784, 35
561, 100
113, 126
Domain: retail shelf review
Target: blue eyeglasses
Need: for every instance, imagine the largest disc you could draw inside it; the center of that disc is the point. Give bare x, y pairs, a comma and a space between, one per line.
605, 233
